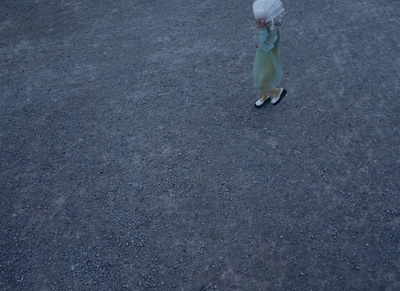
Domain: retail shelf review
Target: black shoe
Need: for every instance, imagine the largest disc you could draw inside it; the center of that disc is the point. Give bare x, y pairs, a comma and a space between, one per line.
278, 99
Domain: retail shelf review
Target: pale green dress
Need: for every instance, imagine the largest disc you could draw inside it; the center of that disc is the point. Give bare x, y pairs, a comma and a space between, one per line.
267, 71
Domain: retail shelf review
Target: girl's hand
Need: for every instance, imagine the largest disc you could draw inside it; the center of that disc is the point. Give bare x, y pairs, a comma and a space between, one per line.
261, 23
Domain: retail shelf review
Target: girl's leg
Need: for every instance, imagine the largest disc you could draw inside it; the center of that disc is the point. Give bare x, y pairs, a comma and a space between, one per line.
272, 92
265, 95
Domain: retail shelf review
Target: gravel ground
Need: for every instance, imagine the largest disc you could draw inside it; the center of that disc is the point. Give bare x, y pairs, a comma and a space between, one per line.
132, 157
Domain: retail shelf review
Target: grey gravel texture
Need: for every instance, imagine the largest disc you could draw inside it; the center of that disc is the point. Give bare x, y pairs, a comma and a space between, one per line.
132, 157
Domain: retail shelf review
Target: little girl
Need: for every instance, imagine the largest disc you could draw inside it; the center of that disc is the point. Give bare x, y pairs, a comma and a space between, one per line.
267, 71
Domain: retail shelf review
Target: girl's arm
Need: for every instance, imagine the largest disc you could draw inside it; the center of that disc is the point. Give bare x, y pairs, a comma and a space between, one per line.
266, 37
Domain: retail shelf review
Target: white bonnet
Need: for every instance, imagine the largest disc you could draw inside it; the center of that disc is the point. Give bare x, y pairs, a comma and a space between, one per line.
267, 9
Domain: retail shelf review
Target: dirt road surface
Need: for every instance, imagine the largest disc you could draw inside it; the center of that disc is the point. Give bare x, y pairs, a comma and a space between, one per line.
132, 157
